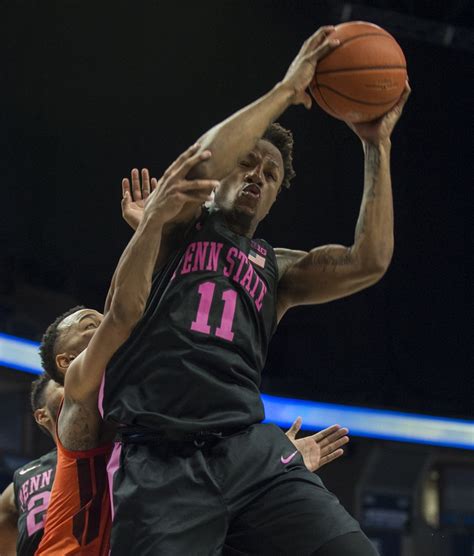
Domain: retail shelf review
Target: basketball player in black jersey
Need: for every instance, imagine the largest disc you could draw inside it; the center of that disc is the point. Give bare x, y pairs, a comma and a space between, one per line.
24, 502
198, 469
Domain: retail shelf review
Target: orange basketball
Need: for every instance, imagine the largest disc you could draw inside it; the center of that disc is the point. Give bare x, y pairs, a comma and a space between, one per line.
363, 77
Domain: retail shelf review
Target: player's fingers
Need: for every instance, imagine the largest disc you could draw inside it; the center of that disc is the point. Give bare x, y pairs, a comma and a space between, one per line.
194, 196
321, 435
199, 185
126, 196
295, 428
334, 445
136, 189
192, 161
404, 96
307, 101
154, 184
330, 457
125, 187
319, 36
324, 49
333, 437
145, 183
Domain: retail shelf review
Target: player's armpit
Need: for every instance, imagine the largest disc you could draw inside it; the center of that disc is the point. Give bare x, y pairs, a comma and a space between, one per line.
8, 522
321, 275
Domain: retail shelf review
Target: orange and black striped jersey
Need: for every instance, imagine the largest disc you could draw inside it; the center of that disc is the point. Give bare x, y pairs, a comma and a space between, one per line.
78, 520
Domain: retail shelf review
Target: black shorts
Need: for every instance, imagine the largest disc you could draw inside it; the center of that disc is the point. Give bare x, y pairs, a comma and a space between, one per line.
244, 493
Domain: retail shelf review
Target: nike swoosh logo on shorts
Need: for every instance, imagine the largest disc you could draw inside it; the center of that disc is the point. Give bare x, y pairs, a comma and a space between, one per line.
23, 471
289, 458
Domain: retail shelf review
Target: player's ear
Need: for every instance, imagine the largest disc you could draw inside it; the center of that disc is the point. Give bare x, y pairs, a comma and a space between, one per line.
41, 416
63, 360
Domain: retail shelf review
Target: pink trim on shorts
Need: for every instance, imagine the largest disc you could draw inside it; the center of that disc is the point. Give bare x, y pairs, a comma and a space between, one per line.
100, 397
112, 466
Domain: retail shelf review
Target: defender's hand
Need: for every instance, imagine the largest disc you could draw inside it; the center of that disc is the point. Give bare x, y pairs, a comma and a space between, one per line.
380, 130
173, 190
320, 448
301, 71
134, 199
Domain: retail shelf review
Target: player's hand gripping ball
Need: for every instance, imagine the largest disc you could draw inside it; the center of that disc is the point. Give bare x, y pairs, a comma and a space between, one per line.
363, 77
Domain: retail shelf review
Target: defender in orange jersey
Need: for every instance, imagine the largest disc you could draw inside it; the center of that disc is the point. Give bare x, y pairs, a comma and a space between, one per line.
79, 519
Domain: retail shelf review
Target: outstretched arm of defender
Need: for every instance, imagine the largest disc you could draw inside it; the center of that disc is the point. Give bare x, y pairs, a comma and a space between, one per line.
132, 279
8, 522
335, 271
238, 134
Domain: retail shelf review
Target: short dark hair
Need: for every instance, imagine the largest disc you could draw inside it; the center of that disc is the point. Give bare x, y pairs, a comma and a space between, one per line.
38, 396
47, 347
38, 389
283, 140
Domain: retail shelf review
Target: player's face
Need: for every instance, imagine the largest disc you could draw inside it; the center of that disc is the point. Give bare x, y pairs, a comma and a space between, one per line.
47, 416
250, 190
76, 332
53, 395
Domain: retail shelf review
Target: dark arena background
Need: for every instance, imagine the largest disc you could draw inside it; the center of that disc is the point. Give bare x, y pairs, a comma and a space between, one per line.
93, 89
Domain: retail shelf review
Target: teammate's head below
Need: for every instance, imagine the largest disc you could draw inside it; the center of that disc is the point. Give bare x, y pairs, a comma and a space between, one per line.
46, 395
246, 195
66, 338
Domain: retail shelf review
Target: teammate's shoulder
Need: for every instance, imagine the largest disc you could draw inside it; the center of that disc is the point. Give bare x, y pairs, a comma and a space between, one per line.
46, 460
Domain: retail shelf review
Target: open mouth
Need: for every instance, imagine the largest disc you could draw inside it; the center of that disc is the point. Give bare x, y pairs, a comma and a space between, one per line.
252, 190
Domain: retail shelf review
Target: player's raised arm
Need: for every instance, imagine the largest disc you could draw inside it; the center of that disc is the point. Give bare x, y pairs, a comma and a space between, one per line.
334, 271
132, 279
8, 522
237, 135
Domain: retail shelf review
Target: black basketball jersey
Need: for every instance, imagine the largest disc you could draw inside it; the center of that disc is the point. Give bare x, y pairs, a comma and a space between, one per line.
193, 362
32, 485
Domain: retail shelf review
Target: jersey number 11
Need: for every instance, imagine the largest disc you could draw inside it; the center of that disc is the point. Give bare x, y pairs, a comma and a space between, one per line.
201, 322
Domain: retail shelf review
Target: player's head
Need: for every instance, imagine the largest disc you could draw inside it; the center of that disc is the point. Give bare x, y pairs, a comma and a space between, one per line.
66, 338
46, 395
249, 191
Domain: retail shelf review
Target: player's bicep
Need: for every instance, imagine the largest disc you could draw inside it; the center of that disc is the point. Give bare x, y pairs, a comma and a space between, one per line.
321, 275
85, 373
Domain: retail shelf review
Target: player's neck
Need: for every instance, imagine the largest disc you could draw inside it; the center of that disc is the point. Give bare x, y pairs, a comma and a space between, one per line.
239, 225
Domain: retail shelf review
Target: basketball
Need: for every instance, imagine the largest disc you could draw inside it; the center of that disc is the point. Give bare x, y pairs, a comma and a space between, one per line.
363, 77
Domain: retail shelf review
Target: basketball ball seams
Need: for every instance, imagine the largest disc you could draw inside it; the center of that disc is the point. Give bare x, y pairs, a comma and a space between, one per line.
328, 107
363, 77
362, 35
340, 50
365, 68
367, 103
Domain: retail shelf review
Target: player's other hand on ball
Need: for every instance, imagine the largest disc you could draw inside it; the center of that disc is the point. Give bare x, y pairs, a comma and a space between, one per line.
320, 448
380, 130
301, 72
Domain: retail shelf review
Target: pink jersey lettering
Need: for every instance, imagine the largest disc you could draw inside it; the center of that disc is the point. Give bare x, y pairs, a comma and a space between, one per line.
188, 258
247, 279
214, 253
34, 483
243, 259
230, 259
200, 255
46, 478
259, 301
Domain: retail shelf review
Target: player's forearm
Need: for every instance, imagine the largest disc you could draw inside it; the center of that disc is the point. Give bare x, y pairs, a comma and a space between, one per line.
373, 243
237, 135
132, 278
